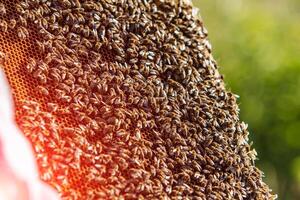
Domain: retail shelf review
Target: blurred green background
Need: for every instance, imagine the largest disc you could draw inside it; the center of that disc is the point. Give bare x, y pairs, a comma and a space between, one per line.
257, 45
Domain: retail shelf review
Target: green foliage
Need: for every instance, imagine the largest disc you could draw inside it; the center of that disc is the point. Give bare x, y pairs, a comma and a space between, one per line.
257, 45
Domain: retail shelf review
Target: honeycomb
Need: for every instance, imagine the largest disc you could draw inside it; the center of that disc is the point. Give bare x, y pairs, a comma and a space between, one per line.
124, 101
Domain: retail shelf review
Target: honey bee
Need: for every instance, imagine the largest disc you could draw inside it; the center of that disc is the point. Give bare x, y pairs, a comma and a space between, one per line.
252, 154
40, 76
252, 183
83, 52
101, 32
12, 23
3, 25
2, 9
65, 3
65, 98
31, 65
42, 90
52, 107
22, 21
22, 33
2, 57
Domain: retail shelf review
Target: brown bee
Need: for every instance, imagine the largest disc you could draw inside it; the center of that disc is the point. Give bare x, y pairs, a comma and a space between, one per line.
2, 57
22, 21
22, 32
52, 107
3, 25
42, 90
31, 65
2, 9
252, 154
12, 23
65, 3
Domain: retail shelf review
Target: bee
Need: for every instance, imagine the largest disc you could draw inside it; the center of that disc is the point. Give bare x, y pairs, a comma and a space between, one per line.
133, 60
101, 32
209, 160
65, 3
22, 21
241, 140
65, 98
64, 87
87, 43
22, 33
252, 183
29, 15
2, 57
2, 9
43, 23
89, 5
81, 19
42, 90
252, 154
86, 31
119, 59
94, 34
83, 52
12, 23
52, 107
19, 9
3, 25
75, 165
41, 77
76, 3
55, 76
68, 130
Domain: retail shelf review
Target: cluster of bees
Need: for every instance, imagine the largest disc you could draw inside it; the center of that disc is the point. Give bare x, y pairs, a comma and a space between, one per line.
148, 116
